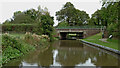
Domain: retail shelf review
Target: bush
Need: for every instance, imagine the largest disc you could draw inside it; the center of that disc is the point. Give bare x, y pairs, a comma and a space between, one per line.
35, 39
8, 40
113, 29
10, 53
28, 36
13, 48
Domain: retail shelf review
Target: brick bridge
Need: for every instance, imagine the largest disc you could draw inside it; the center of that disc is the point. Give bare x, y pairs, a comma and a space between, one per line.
81, 31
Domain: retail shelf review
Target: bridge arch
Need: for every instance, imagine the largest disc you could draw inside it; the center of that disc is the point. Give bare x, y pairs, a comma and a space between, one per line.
71, 35
81, 32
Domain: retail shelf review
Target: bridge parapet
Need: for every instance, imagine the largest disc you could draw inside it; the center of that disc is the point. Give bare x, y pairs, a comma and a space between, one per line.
87, 31
80, 27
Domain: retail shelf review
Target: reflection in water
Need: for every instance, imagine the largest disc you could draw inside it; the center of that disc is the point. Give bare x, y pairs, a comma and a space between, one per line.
87, 63
27, 64
55, 53
67, 53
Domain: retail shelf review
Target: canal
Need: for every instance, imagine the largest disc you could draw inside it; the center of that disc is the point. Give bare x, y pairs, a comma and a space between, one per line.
67, 53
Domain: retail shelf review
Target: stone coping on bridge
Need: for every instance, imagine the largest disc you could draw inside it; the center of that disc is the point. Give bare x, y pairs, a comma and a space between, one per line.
104, 47
80, 27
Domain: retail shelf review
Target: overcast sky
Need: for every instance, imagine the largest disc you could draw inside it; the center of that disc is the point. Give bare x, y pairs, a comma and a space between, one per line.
7, 8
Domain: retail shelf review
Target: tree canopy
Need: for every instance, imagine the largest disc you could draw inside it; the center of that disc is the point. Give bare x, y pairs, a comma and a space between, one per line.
71, 15
107, 16
39, 17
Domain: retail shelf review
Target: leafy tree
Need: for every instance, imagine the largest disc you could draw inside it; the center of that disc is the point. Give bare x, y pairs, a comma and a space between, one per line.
71, 15
6, 22
47, 25
22, 18
107, 16
61, 24
40, 18
81, 17
16, 13
32, 13
96, 18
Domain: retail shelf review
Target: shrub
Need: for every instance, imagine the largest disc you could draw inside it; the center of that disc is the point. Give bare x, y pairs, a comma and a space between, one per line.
28, 36
45, 36
10, 53
35, 39
13, 48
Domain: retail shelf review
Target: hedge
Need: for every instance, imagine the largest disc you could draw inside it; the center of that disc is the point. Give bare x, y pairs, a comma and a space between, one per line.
18, 28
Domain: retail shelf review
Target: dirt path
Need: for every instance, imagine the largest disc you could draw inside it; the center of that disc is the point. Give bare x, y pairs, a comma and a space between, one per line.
104, 40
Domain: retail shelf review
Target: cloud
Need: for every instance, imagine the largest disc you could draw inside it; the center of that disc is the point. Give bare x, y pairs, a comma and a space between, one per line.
9, 7
49, 0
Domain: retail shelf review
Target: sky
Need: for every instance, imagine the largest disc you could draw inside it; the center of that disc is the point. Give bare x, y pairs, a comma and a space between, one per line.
7, 8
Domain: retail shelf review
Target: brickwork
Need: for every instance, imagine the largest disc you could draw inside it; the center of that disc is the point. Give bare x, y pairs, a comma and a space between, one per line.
86, 32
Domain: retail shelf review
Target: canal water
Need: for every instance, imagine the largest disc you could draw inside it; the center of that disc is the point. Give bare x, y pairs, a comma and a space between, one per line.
68, 53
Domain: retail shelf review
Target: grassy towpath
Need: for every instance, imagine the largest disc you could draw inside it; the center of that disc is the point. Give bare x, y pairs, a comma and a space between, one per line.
97, 39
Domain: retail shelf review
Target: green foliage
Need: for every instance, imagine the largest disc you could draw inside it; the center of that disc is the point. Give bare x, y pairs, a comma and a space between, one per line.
62, 24
0, 60
9, 41
18, 28
107, 16
13, 48
28, 35
36, 40
44, 42
71, 15
7, 22
22, 18
10, 53
46, 24
36, 21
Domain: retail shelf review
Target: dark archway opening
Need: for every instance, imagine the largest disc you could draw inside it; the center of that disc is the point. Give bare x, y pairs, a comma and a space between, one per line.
71, 35
63, 35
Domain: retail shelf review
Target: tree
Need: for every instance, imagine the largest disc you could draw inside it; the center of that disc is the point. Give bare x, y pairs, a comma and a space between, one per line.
39, 18
107, 16
71, 15
46, 25
6, 22
32, 13
62, 24
22, 18
81, 17
96, 18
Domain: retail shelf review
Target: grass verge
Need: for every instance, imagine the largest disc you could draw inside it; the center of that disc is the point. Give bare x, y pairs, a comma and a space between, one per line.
111, 43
